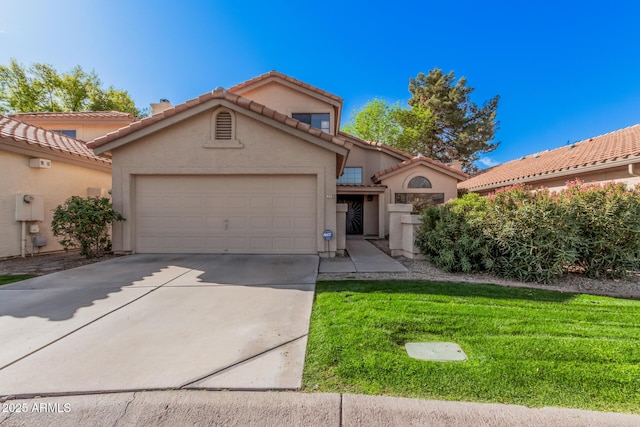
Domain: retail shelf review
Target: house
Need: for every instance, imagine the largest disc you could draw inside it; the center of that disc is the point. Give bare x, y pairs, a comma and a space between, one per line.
40, 170
257, 168
80, 125
614, 156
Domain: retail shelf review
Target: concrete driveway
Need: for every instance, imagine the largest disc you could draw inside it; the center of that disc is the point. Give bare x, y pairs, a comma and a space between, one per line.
159, 321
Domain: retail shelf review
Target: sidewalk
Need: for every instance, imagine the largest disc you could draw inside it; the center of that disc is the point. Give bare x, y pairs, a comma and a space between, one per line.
224, 408
363, 258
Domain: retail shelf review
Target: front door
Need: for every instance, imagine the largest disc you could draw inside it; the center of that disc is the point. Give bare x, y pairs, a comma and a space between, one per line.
354, 212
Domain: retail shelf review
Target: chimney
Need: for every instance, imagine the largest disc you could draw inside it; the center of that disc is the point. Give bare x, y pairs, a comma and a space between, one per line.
456, 164
164, 104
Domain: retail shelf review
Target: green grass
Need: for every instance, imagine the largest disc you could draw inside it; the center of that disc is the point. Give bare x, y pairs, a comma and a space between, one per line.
5, 280
525, 346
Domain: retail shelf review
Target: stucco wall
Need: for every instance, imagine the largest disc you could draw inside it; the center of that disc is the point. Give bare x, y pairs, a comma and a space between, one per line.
440, 183
179, 149
371, 162
289, 101
85, 131
619, 174
56, 185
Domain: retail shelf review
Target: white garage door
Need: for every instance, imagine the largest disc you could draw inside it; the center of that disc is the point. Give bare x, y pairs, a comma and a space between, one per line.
234, 214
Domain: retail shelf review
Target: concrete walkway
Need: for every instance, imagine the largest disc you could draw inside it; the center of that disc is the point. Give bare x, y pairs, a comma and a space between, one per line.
173, 408
363, 258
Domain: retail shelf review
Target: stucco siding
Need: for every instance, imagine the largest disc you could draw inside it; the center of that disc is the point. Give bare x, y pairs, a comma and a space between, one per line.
371, 162
181, 149
56, 185
289, 101
619, 174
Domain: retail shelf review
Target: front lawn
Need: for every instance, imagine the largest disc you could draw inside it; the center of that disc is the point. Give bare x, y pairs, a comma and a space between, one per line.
525, 346
5, 280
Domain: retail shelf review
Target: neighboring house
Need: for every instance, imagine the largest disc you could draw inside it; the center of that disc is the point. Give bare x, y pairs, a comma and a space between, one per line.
614, 156
40, 170
81, 125
257, 168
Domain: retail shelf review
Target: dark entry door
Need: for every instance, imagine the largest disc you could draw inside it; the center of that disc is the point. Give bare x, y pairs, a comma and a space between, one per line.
354, 213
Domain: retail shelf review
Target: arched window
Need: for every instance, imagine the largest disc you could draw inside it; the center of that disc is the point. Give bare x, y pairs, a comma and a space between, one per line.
224, 126
419, 182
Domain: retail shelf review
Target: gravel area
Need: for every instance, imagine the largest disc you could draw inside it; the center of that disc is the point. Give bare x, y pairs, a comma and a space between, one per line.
46, 263
424, 270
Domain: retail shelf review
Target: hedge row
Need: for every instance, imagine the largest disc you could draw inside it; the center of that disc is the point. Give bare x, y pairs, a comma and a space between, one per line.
537, 235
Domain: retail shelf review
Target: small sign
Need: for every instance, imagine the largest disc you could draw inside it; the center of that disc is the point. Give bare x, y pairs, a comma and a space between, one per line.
327, 234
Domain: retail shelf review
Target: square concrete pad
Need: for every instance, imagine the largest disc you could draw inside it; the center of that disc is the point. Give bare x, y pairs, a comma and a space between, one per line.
436, 351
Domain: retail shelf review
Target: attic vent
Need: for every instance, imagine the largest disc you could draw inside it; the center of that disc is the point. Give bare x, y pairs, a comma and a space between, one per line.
223, 125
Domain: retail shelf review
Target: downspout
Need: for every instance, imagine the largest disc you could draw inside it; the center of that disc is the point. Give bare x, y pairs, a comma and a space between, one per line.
632, 169
23, 244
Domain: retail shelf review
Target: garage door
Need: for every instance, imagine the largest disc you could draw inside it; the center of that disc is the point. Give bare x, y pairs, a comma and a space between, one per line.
234, 214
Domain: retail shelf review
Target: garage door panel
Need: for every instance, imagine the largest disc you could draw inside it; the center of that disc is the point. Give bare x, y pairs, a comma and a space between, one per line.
217, 214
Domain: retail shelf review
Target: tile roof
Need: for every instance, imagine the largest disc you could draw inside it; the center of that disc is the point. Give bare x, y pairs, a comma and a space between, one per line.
418, 160
286, 78
33, 135
599, 150
375, 145
221, 94
74, 115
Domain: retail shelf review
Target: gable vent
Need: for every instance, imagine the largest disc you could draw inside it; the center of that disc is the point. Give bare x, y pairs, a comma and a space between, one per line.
223, 125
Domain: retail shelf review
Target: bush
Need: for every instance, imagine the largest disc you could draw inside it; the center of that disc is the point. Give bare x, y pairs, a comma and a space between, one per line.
450, 238
85, 223
608, 222
530, 238
537, 235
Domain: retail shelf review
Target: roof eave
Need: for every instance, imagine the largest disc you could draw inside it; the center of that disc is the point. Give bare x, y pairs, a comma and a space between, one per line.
556, 174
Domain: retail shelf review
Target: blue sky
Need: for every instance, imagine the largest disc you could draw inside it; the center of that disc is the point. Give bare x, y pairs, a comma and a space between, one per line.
565, 70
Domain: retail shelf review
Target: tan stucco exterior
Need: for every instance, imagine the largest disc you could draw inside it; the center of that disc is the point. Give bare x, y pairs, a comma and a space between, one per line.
86, 129
289, 100
264, 141
621, 174
185, 148
63, 180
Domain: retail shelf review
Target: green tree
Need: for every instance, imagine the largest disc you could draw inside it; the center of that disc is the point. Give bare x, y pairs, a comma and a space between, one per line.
374, 122
40, 87
85, 223
443, 123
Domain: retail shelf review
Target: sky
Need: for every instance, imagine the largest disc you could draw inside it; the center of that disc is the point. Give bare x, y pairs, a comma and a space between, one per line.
565, 70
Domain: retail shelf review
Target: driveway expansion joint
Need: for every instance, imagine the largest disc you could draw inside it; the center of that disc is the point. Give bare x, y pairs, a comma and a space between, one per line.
241, 362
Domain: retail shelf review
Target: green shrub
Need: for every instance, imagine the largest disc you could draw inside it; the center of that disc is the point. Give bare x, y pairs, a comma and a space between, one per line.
531, 240
537, 235
608, 221
85, 223
450, 238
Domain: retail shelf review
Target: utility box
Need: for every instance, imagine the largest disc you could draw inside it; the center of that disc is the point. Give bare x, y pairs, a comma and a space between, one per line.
40, 163
29, 207
39, 241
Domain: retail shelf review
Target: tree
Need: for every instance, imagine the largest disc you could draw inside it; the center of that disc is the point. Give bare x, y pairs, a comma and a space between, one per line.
85, 223
374, 122
443, 123
40, 87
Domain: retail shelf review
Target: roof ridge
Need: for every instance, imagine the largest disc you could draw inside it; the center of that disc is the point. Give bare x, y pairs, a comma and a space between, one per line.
275, 73
377, 144
223, 94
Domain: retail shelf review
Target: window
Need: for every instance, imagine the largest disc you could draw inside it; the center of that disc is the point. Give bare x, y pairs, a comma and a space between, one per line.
224, 125
420, 198
68, 132
316, 120
351, 176
419, 182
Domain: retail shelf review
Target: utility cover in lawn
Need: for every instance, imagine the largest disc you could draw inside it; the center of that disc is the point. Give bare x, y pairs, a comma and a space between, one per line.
436, 351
